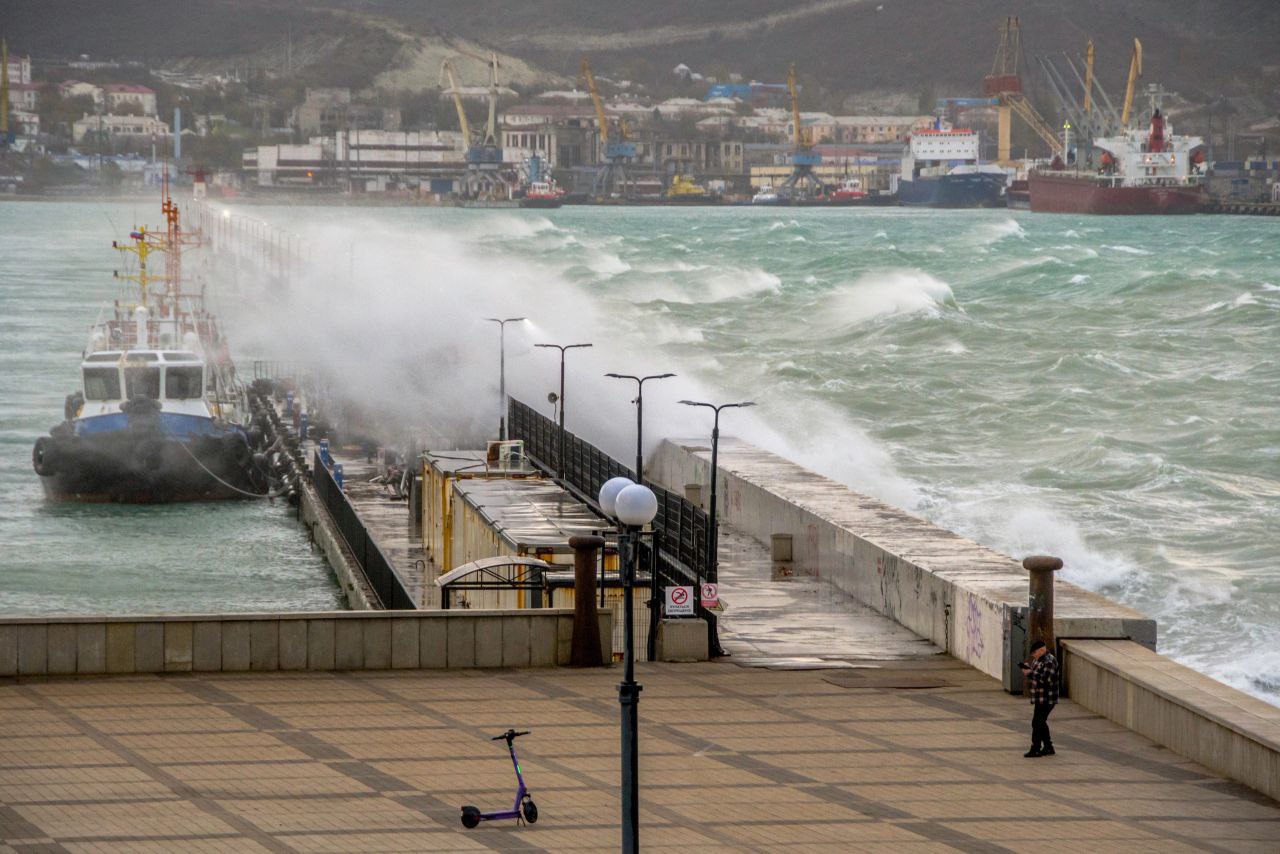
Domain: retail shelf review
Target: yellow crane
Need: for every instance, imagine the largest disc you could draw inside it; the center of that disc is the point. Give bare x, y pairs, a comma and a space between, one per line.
4, 93
797, 132
1135, 71
1004, 84
447, 73
584, 71
1088, 78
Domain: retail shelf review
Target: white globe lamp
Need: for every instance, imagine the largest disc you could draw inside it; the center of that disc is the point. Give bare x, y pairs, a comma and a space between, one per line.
636, 505
609, 494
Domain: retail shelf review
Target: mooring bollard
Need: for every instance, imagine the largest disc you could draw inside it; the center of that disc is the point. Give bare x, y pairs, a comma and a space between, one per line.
1040, 600
302, 426
288, 404
337, 475
324, 452
585, 647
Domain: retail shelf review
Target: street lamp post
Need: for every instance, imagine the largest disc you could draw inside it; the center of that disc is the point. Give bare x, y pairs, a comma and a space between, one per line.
653, 574
639, 402
713, 535
502, 372
562, 348
633, 506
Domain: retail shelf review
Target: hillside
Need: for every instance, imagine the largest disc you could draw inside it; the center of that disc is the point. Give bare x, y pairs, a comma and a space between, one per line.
1197, 48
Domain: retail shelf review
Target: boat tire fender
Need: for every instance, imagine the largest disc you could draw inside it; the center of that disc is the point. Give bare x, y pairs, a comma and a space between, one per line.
44, 457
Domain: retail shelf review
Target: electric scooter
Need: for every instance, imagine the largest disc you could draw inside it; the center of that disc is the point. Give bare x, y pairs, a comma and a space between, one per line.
523, 806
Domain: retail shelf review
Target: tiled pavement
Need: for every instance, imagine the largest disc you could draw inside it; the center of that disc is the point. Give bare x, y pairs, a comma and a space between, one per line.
733, 759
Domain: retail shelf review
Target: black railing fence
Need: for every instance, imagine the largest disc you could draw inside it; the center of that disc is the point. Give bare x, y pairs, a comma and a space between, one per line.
680, 528
377, 569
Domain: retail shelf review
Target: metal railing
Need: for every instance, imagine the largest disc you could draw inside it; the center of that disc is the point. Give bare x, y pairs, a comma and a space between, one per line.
377, 570
680, 528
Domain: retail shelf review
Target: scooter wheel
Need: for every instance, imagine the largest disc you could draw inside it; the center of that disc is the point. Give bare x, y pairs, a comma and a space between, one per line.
530, 811
470, 817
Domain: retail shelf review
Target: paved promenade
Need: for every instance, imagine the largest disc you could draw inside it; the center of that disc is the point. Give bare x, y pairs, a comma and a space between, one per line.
733, 758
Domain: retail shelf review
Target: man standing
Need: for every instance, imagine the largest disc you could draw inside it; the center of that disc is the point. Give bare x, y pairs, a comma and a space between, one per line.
1042, 684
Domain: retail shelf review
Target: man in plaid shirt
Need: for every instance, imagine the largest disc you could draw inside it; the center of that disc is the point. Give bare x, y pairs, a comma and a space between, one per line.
1042, 684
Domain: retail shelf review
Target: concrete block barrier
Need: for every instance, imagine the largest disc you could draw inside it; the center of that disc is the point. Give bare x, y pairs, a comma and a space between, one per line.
343, 640
1192, 714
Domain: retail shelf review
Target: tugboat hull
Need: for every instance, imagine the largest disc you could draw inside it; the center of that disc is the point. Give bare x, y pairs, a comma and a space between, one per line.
147, 467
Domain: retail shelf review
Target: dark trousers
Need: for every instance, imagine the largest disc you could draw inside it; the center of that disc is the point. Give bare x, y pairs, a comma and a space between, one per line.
1040, 738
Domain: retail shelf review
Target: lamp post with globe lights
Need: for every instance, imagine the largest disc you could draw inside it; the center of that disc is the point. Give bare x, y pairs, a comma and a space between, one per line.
633, 506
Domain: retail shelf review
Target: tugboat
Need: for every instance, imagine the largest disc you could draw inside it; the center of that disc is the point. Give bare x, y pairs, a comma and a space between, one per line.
1142, 171
767, 196
541, 191
941, 169
542, 194
161, 416
684, 191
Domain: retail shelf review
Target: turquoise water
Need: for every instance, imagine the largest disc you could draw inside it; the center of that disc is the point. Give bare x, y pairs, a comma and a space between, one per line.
1103, 389
55, 272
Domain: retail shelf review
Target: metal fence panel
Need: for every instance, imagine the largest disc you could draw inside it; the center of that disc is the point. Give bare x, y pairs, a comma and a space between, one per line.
373, 563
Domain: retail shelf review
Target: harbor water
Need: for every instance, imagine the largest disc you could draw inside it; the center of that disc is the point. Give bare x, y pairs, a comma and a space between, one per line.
1102, 389
55, 273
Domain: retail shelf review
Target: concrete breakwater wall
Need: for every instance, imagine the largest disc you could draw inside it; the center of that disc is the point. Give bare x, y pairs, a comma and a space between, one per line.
1188, 712
967, 598
338, 640
964, 597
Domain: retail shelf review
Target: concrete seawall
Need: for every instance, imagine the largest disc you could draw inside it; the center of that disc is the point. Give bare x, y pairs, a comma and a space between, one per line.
338, 640
1193, 715
967, 599
962, 596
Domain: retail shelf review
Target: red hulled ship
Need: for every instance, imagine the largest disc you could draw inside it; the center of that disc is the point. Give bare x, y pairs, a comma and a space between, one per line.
1149, 171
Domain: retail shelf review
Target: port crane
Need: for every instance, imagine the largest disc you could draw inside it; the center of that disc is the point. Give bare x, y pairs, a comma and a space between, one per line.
801, 183
6, 138
612, 176
484, 175
1135, 71
1004, 84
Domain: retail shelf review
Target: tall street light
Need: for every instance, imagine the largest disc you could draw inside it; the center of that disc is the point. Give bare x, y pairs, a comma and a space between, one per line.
502, 371
634, 506
562, 348
639, 402
653, 568
713, 535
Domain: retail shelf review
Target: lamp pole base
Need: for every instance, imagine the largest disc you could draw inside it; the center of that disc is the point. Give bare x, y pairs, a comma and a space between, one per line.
629, 698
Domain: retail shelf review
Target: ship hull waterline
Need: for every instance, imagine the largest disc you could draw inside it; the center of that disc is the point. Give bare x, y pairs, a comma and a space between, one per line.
1084, 195
148, 467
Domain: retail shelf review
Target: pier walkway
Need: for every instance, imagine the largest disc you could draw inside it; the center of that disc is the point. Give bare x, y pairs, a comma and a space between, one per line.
732, 759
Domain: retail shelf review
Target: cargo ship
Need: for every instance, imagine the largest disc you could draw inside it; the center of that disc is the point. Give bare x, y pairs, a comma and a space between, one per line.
941, 169
160, 415
1141, 171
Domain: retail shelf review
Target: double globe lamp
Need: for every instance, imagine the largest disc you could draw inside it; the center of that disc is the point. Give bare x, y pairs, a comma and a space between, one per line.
633, 505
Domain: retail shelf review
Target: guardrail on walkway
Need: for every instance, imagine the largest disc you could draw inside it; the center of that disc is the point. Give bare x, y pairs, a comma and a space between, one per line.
337, 640
680, 527
377, 569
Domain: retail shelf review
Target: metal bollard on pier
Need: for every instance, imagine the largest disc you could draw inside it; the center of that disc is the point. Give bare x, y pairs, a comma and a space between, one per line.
585, 646
1040, 598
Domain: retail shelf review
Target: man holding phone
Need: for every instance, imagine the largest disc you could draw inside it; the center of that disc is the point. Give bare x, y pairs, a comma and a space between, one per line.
1041, 674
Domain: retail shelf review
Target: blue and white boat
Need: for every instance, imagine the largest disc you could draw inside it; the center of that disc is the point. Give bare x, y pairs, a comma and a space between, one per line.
160, 415
941, 169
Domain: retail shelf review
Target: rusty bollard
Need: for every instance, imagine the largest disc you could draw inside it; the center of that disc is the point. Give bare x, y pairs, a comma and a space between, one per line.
1040, 620
585, 649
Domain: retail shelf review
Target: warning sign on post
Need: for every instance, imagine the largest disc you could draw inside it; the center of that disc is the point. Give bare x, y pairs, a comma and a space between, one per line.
679, 601
710, 596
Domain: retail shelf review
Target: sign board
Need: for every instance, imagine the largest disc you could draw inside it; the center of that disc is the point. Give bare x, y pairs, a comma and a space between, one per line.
679, 602
710, 596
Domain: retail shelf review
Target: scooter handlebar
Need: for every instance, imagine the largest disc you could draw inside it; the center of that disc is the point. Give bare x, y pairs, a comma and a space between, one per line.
509, 734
